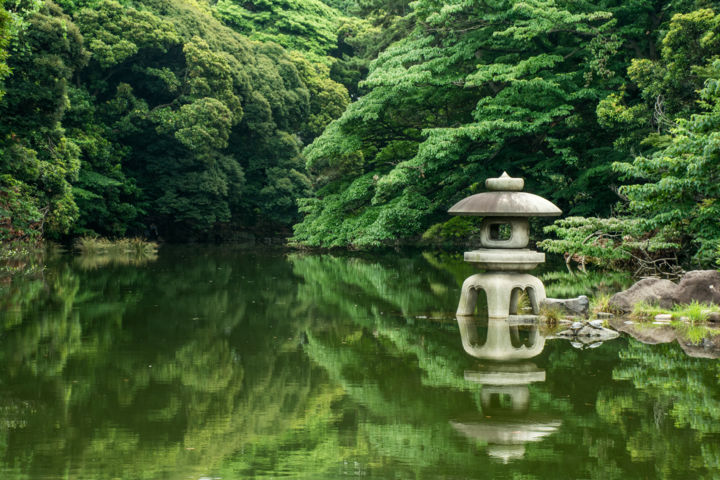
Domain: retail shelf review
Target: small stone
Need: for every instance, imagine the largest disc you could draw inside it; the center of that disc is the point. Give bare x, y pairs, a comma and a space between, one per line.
684, 319
629, 322
713, 317
605, 315
663, 317
596, 323
577, 306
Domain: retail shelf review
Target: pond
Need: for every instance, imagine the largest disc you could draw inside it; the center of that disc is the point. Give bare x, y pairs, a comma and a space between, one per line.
214, 363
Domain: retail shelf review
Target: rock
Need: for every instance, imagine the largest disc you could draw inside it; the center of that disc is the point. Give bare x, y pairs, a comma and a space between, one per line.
644, 333
706, 348
587, 333
522, 319
579, 305
649, 290
700, 285
605, 315
663, 317
713, 317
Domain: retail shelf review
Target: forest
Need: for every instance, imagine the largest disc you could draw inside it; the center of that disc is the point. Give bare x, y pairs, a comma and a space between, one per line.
358, 123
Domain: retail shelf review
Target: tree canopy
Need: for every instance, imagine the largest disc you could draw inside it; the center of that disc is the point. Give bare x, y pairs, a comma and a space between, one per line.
357, 122
155, 113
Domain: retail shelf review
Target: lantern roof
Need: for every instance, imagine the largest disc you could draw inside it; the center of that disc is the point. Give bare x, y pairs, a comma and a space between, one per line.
505, 199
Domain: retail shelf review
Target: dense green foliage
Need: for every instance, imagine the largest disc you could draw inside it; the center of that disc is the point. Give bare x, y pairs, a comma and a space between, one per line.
472, 90
360, 121
4, 40
565, 94
670, 207
153, 116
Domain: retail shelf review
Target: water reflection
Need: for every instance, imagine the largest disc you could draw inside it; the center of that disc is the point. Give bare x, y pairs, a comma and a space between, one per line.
212, 363
499, 339
507, 422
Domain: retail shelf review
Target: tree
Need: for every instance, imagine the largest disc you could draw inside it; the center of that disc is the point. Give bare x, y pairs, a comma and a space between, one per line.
474, 89
38, 161
669, 131
4, 41
680, 194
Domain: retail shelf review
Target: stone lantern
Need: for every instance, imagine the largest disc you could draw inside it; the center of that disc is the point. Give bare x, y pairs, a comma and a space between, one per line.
504, 236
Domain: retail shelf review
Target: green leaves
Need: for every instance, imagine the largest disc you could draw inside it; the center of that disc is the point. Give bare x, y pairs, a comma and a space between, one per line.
475, 89
37, 157
200, 126
681, 181
4, 41
309, 26
114, 33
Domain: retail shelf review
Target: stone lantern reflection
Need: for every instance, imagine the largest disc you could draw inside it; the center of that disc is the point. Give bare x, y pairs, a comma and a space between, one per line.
505, 341
507, 422
504, 236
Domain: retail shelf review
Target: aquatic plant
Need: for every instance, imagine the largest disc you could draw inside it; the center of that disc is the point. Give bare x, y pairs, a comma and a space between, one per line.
97, 252
551, 315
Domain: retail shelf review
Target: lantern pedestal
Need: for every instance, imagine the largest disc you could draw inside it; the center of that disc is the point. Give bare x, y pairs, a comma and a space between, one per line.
502, 291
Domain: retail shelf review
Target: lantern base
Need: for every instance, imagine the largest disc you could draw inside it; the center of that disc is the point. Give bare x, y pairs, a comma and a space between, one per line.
502, 291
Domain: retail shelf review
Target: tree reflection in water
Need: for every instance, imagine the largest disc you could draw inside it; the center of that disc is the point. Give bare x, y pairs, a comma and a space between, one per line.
210, 362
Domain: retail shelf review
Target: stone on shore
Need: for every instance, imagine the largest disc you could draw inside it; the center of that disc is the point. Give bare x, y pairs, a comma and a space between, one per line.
577, 306
699, 285
590, 331
656, 291
696, 286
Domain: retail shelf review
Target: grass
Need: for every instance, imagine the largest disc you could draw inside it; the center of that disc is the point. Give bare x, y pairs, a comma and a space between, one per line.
523, 302
551, 314
601, 303
97, 252
643, 310
694, 312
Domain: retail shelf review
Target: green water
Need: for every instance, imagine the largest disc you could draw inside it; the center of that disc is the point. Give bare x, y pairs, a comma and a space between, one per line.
219, 364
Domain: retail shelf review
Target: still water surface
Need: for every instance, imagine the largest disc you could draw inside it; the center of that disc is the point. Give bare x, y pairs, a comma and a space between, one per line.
219, 364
